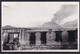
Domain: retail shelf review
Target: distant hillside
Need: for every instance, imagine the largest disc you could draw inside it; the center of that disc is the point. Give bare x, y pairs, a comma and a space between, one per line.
72, 24
8, 26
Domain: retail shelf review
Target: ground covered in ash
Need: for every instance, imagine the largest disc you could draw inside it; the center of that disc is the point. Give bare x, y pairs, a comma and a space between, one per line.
49, 47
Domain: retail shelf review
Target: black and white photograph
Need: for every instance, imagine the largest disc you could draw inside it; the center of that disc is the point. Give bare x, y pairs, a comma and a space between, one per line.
40, 27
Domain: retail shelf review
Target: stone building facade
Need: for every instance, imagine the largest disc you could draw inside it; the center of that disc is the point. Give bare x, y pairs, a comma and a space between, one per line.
34, 37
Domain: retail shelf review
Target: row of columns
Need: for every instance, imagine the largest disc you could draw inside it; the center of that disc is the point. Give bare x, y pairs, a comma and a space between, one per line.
50, 37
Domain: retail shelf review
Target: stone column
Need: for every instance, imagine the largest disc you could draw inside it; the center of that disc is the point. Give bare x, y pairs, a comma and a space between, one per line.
47, 37
4, 37
50, 38
27, 38
65, 37
38, 41
76, 34
11, 37
20, 35
23, 32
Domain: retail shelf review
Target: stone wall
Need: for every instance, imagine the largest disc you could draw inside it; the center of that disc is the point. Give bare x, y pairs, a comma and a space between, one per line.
24, 36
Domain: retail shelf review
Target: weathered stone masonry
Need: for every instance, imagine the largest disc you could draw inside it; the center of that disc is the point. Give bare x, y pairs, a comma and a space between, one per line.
31, 37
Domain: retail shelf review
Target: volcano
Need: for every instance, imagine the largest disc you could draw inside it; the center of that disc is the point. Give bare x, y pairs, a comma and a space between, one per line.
51, 25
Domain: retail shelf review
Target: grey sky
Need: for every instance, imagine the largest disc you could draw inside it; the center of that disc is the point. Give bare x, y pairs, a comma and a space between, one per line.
30, 14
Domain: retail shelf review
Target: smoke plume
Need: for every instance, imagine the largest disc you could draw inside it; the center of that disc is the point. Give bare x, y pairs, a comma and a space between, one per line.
64, 12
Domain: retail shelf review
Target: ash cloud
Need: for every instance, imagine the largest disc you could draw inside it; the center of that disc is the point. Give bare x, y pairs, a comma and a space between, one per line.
64, 12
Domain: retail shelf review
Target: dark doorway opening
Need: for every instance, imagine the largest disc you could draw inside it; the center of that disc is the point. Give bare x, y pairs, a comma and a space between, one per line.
32, 38
71, 36
58, 36
43, 38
